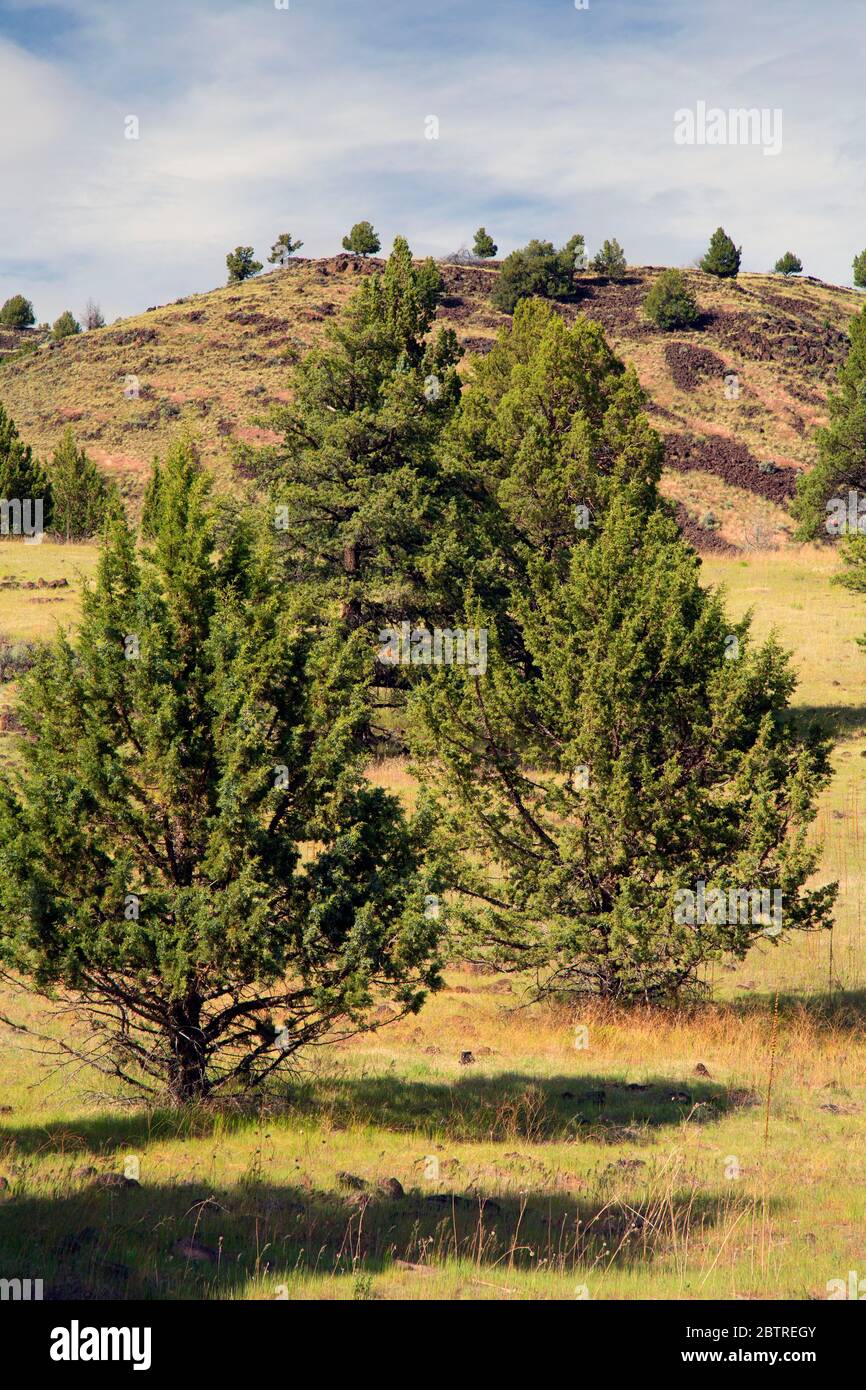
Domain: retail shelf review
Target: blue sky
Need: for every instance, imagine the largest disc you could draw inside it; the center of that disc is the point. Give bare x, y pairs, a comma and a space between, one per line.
552, 119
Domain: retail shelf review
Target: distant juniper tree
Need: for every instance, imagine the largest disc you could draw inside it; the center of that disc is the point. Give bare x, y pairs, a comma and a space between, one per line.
789, 264
17, 312
241, 264
362, 240
192, 860
860, 270
722, 257
22, 477
283, 249
538, 269
841, 465
610, 261
66, 326
670, 303
81, 496
484, 247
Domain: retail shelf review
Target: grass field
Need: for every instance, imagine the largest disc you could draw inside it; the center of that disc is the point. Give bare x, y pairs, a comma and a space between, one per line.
579, 1154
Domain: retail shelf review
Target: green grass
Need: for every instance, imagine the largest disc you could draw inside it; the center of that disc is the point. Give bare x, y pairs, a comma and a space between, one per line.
612, 1168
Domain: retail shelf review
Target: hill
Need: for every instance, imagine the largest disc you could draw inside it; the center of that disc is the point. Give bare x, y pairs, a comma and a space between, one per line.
216, 362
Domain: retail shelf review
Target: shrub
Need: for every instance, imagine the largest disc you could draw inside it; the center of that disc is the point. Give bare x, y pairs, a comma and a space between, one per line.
670, 303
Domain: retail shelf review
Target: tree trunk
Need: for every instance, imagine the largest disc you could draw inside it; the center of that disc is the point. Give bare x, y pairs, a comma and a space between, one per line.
187, 1072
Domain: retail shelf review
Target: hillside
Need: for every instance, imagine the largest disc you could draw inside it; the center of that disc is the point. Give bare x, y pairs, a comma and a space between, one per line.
217, 361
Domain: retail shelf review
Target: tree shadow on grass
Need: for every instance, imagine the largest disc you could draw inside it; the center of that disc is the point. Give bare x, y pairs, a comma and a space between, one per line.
127, 1243
470, 1109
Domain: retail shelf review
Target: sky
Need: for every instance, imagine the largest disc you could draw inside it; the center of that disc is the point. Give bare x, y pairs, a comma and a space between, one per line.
552, 119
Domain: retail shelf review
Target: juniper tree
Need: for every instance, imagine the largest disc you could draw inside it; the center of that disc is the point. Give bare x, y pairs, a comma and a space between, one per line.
610, 261
283, 249
670, 303
722, 257
789, 264
484, 246
859, 268
841, 465
191, 859
241, 264
362, 240
22, 478
17, 312
643, 754
538, 269
66, 326
370, 515
80, 494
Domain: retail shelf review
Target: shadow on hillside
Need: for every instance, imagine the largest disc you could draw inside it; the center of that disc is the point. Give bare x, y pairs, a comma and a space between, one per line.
471, 1109
123, 1243
843, 1009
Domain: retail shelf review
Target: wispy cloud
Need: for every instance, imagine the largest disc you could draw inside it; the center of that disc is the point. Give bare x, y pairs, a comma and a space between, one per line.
552, 120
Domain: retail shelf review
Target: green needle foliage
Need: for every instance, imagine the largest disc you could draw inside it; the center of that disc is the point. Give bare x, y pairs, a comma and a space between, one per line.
538, 269
241, 264
722, 257
610, 261
841, 462
21, 475
362, 240
484, 246
79, 491
789, 264
190, 850
670, 303
629, 742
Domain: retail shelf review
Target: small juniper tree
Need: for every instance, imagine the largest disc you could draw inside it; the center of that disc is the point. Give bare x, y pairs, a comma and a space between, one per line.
362, 240
722, 257
670, 303
789, 264
191, 858
17, 312
610, 261
860, 271
630, 763
241, 264
841, 465
22, 477
484, 246
66, 326
283, 249
80, 494
538, 269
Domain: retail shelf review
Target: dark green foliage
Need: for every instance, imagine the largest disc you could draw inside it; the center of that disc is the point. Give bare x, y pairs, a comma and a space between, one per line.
190, 848
21, 475
367, 506
789, 264
722, 257
484, 246
80, 493
610, 261
841, 444
627, 762
241, 264
283, 249
17, 312
538, 270
670, 303
362, 240
859, 267
66, 326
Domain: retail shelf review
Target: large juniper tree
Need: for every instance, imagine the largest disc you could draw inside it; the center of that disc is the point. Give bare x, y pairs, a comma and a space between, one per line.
22, 477
190, 855
629, 741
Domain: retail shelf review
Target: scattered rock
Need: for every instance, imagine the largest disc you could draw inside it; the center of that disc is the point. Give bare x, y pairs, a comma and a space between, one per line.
114, 1180
352, 1181
681, 1097
392, 1186
84, 1172
700, 1070
466, 1058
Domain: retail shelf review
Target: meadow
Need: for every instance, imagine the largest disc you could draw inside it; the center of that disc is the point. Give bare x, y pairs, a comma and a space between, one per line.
489, 1147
